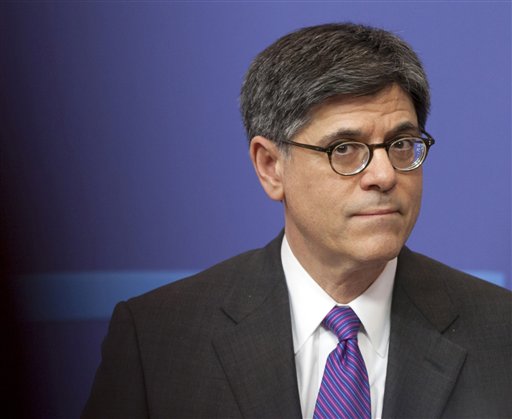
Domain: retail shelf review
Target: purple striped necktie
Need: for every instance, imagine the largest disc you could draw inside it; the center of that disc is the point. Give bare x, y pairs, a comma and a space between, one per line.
344, 391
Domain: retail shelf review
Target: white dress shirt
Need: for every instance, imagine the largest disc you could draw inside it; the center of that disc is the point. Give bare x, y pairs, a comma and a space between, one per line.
312, 344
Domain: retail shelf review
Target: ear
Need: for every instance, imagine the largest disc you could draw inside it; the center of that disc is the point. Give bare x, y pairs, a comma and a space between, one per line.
268, 163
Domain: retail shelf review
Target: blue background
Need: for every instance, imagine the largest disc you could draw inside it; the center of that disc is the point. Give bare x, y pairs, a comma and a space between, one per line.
124, 164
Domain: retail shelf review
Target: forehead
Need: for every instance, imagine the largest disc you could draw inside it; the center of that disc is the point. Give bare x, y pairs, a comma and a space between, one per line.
377, 114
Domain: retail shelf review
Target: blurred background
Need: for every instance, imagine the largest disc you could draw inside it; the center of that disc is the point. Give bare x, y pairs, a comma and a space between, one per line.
124, 164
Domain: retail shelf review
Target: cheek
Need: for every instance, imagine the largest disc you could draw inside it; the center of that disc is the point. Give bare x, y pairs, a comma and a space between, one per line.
313, 196
414, 193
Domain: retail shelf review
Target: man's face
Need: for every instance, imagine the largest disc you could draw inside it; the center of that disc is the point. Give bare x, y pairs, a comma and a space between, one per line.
363, 219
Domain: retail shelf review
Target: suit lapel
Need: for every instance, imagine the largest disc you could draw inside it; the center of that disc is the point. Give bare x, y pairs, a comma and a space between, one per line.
257, 353
423, 364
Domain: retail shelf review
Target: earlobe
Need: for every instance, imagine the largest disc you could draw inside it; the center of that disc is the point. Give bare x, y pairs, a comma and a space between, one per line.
267, 161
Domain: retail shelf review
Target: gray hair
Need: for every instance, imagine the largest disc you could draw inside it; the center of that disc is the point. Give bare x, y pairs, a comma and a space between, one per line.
308, 66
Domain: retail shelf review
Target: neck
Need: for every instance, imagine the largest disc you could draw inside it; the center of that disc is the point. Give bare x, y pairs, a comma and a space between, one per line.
343, 279
346, 286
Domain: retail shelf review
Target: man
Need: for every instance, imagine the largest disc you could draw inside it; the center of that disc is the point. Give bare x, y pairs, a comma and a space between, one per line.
335, 317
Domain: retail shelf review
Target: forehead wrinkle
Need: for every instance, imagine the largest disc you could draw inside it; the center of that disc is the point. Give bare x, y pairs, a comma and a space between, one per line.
390, 112
405, 127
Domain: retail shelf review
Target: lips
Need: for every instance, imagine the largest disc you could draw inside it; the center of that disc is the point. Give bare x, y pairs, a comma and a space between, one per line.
376, 212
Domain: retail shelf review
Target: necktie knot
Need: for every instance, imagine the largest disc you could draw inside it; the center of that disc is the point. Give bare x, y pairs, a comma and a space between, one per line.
343, 322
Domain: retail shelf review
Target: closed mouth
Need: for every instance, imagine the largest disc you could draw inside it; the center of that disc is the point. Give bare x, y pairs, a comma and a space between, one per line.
376, 212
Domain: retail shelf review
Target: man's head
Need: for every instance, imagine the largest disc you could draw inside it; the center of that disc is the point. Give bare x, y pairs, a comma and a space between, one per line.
346, 88
306, 67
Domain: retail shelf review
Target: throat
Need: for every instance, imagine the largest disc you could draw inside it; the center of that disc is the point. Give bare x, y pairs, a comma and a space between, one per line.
347, 287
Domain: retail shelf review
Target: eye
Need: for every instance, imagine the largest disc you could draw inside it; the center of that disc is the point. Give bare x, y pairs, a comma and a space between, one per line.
346, 149
404, 144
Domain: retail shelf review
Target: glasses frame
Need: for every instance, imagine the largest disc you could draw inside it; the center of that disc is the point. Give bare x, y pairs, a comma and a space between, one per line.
428, 141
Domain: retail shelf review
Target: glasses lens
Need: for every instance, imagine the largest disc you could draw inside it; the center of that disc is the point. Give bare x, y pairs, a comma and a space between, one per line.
407, 153
349, 158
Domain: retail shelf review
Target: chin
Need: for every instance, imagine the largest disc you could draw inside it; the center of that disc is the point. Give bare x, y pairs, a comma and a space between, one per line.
379, 250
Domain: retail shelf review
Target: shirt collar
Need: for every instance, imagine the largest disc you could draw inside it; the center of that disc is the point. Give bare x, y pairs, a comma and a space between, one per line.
309, 303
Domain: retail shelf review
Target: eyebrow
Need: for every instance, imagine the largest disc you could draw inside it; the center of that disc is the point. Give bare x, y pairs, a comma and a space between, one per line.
404, 128
348, 133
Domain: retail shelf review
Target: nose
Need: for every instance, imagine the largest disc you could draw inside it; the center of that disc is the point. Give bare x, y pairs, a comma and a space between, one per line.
380, 174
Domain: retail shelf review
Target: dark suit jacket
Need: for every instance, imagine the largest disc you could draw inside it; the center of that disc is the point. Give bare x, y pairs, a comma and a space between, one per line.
219, 345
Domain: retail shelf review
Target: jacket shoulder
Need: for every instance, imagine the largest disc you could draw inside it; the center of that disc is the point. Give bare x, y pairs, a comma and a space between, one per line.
467, 292
246, 271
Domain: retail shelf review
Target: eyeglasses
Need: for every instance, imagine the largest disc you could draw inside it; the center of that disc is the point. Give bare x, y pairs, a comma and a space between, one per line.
349, 158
